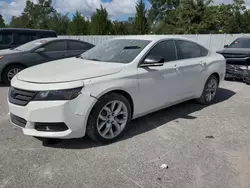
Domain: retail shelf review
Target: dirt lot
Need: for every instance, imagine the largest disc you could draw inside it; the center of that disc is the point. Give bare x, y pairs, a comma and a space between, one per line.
204, 147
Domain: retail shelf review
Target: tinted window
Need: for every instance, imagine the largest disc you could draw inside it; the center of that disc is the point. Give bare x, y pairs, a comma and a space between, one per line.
165, 49
240, 43
116, 50
74, 45
22, 38
5, 38
187, 49
56, 46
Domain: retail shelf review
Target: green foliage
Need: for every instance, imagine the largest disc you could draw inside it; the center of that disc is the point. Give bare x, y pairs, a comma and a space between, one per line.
141, 22
163, 17
2, 24
78, 25
100, 24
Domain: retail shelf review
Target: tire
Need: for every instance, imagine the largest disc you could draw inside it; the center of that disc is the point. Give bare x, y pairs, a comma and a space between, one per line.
14, 68
107, 120
204, 99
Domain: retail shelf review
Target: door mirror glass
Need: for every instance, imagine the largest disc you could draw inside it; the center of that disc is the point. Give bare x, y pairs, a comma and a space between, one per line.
153, 61
40, 50
225, 46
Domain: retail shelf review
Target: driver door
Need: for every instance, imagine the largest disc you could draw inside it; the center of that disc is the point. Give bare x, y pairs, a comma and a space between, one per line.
159, 85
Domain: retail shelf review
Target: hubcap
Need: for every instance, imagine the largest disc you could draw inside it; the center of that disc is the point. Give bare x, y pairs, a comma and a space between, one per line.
211, 90
112, 119
12, 73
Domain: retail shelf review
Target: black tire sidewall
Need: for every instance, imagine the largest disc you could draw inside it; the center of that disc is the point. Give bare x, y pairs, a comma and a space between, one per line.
6, 71
92, 131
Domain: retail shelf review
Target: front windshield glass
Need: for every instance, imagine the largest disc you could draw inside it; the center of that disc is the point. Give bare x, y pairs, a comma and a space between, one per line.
240, 43
116, 50
29, 46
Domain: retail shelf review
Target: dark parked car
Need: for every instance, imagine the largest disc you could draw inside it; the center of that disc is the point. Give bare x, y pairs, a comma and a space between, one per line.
237, 55
36, 52
14, 37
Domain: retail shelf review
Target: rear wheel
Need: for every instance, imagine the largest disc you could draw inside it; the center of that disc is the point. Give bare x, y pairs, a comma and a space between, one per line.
109, 118
209, 91
10, 71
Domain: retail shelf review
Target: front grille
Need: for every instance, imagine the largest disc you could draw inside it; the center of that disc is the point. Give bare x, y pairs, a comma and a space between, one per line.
20, 97
51, 127
18, 120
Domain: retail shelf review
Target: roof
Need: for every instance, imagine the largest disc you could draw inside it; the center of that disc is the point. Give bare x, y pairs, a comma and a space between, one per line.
152, 37
26, 29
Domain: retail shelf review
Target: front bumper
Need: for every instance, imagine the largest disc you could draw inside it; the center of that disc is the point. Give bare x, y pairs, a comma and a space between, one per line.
73, 114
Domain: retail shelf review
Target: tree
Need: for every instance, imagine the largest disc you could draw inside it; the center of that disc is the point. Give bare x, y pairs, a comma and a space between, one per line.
100, 24
141, 22
35, 15
190, 15
59, 23
2, 24
78, 25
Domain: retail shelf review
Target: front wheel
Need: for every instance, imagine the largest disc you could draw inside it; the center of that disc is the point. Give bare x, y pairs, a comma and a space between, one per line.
109, 118
209, 91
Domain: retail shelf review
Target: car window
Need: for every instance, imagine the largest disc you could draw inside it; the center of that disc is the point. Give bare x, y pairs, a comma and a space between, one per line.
5, 38
165, 49
22, 38
74, 45
187, 49
116, 50
55, 46
240, 43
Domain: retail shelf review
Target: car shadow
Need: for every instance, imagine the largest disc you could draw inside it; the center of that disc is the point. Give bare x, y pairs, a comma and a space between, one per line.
148, 122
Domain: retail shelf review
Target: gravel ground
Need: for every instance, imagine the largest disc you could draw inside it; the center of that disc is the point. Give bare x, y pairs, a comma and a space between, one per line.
204, 147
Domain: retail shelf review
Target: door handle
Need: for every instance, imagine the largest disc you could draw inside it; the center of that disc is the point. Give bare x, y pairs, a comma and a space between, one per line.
203, 63
176, 67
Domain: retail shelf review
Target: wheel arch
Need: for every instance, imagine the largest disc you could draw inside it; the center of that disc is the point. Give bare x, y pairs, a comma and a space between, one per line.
121, 92
217, 76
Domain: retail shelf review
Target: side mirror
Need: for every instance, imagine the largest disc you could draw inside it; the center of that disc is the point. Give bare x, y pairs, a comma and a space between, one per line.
40, 50
153, 61
225, 46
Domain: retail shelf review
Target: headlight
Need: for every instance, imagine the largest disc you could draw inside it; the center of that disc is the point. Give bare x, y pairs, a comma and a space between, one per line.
67, 94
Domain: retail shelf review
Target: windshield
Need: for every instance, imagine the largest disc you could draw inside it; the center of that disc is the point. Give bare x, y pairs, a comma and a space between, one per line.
116, 50
30, 45
240, 43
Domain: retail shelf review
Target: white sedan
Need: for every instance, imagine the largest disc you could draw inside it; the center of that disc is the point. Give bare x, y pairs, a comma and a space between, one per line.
100, 92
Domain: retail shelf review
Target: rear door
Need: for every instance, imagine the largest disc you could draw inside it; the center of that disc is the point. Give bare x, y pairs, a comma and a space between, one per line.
192, 66
55, 50
76, 48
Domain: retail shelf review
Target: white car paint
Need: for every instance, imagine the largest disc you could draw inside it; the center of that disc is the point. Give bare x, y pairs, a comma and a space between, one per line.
150, 88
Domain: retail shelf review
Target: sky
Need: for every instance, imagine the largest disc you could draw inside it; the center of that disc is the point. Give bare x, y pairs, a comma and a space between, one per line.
117, 9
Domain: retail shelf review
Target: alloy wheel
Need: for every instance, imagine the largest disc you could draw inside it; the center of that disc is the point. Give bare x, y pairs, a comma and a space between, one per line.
112, 119
12, 73
211, 90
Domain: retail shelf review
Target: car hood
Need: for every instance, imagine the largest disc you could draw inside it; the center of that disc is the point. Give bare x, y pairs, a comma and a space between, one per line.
66, 70
9, 51
243, 51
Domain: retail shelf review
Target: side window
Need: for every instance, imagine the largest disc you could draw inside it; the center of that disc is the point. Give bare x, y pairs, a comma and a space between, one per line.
5, 38
73, 45
187, 49
22, 38
165, 49
55, 46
